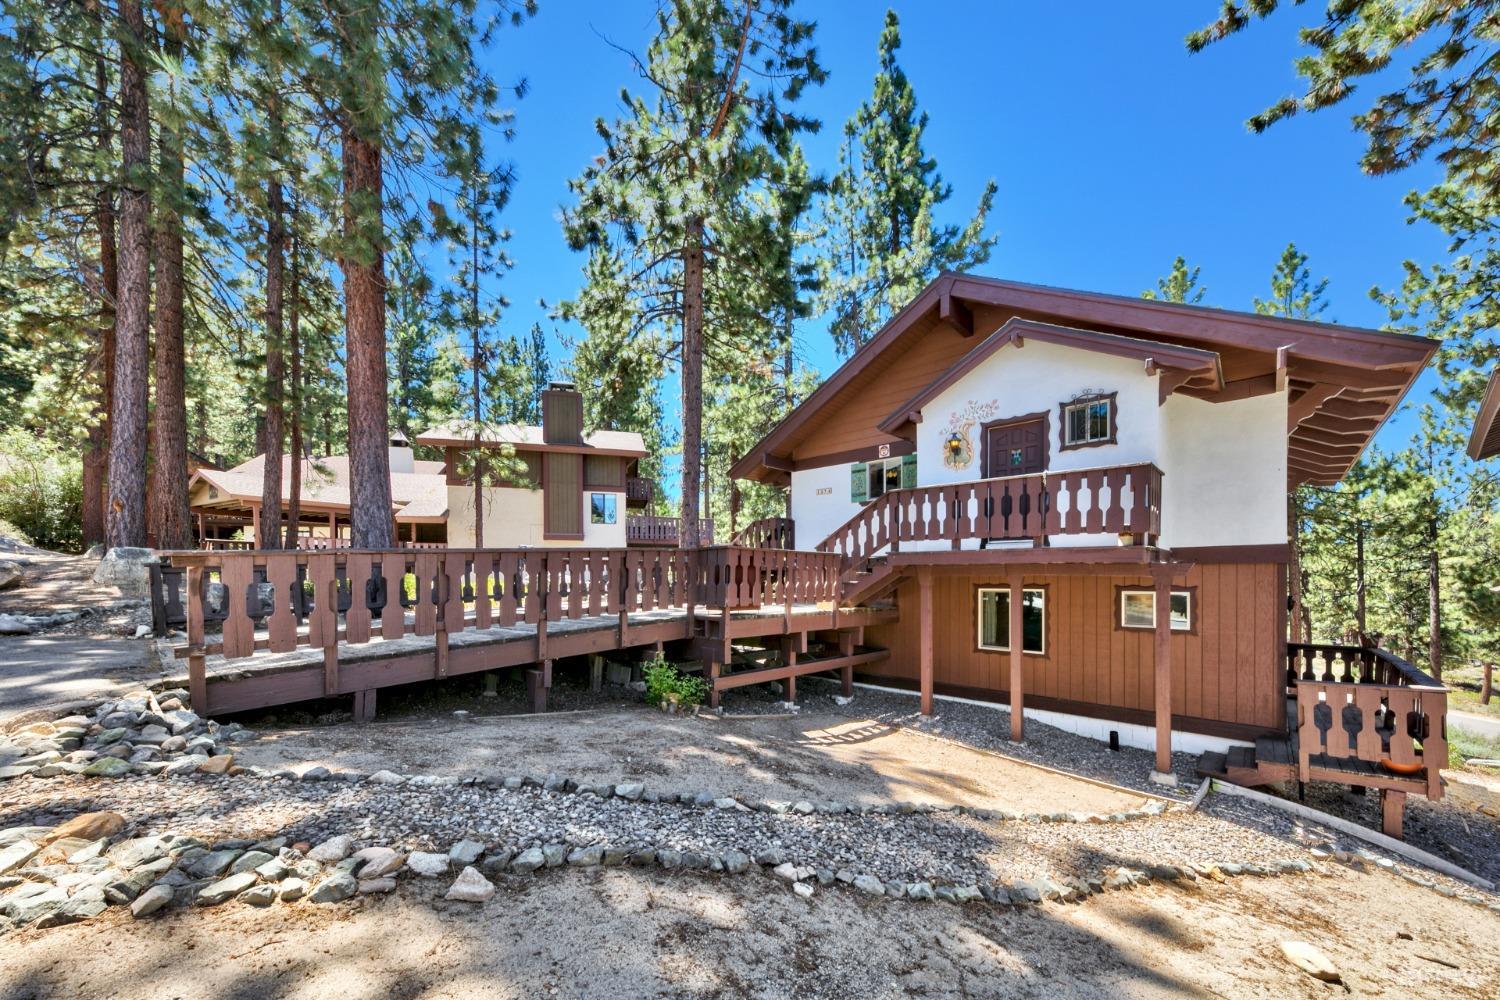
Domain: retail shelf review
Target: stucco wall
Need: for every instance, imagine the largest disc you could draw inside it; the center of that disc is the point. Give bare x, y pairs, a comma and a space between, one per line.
1223, 464
1224, 471
513, 518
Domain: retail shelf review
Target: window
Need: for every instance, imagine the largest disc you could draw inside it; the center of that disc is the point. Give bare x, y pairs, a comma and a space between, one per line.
1138, 609
1088, 421
994, 619
602, 508
869, 480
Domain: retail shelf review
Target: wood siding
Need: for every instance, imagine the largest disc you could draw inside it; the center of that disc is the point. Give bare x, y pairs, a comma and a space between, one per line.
562, 416
1230, 671
604, 472
562, 488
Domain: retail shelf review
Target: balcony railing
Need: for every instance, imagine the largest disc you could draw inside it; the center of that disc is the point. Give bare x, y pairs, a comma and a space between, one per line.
1358, 705
649, 529
767, 533
1117, 500
638, 492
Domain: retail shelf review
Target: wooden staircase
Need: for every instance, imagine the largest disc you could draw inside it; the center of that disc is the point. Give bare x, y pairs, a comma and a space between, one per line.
1243, 765
870, 580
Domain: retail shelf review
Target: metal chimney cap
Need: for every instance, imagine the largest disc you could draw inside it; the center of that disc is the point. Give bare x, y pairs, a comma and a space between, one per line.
562, 386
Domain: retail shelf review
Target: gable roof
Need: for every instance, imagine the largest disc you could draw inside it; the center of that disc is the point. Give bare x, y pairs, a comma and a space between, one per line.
523, 437
1484, 440
420, 495
1342, 382
1190, 365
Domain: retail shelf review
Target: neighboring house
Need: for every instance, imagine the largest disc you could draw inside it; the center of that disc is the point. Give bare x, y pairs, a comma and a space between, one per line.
1106, 475
1484, 440
569, 489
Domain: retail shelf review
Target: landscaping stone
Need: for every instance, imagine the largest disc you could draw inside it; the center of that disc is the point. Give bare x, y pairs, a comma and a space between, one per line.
386, 778
528, 861
554, 855
87, 826
470, 887
376, 886
107, 767
213, 864
292, 889
427, 865
153, 899
125, 567
260, 895
228, 888
250, 861
377, 861
587, 857
869, 884
334, 889
465, 852
16, 855
332, 850
216, 765
802, 889
1310, 960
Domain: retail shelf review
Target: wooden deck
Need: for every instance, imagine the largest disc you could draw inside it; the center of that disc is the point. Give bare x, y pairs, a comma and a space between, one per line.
297, 633
1358, 716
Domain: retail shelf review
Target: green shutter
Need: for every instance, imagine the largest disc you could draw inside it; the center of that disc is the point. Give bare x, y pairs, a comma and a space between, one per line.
859, 482
908, 471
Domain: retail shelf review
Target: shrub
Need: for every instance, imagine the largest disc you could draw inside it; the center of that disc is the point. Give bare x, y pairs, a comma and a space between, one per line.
663, 680
41, 491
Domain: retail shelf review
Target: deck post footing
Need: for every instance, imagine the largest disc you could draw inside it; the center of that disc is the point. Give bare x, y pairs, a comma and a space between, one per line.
1164, 778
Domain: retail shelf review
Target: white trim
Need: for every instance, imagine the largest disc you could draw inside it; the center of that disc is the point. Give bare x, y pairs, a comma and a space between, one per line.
979, 619
1131, 735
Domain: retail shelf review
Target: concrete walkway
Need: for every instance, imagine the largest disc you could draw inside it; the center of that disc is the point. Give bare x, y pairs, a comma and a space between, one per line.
42, 672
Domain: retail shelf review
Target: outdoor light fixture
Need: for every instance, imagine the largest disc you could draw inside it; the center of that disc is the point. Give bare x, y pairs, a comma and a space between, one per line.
955, 444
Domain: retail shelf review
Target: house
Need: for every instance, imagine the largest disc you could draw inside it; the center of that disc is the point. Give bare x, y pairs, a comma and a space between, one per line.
568, 488
1484, 439
1079, 503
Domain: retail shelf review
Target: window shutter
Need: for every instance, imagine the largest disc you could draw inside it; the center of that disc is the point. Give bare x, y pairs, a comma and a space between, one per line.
908, 471
859, 482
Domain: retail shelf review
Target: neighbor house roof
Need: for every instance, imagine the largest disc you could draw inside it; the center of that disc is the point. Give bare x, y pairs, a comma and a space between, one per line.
523, 437
1342, 382
420, 495
1484, 440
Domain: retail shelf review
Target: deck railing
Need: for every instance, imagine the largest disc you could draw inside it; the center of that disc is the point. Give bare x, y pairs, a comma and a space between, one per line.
649, 529
638, 492
1116, 500
1360, 703
280, 601
767, 533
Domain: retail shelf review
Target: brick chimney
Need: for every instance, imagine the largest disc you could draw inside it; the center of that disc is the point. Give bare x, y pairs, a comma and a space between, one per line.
562, 414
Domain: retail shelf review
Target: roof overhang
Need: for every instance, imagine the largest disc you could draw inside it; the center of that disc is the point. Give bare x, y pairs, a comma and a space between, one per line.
1484, 440
1341, 382
1177, 367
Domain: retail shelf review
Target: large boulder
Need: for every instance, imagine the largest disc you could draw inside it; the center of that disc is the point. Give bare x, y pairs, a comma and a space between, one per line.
128, 569
11, 574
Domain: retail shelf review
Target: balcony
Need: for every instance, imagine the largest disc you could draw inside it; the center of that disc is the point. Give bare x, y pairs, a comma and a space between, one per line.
665, 532
638, 492
1113, 501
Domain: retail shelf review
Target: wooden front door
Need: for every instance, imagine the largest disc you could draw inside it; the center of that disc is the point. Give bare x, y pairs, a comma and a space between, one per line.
1015, 447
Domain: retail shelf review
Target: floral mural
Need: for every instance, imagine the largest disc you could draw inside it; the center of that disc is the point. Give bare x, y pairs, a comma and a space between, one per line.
958, 434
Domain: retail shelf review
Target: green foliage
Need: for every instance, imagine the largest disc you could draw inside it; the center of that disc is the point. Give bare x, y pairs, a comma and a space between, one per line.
883, 243
1293, 292
665, 683
41, 491
1180, 285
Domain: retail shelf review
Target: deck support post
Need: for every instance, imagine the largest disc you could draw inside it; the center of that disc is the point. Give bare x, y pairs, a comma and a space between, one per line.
714, 670
596, 673
846, 672
924, 636
1392, 812
1163, 773
1017, 669
538, 680
364, 705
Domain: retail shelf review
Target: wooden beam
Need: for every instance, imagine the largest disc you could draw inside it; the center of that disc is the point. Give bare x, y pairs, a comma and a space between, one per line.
1163, 692
1283, 360
924, 637
1307, 404
956, 314
1017, 673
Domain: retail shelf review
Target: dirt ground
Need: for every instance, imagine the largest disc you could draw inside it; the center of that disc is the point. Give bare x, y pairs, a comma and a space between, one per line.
819, 757
621, 933
53, 582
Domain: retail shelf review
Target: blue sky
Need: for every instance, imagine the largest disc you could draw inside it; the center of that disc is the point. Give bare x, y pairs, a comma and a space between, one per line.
1114, 149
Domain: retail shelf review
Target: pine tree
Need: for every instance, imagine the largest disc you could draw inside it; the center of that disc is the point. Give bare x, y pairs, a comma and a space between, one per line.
1180, 285
1293, 292
883, 242
670, 194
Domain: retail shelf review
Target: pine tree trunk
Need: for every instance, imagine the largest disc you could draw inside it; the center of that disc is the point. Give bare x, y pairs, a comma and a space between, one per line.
478, 365
169, 499
692, 380
1434, 611
370, 513
270, 489
294, 338
125, 515
96, 454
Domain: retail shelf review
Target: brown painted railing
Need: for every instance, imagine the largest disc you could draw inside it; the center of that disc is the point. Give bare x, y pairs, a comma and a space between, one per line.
229, 544
767, 533
318, 543
1118, 500
649, 529
280, 601
638, 491
1367, 704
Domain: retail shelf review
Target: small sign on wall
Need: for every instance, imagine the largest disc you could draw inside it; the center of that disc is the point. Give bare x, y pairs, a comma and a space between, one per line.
824, 491
884, 451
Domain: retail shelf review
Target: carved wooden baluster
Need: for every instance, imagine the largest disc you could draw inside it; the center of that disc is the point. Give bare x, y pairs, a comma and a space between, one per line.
393, 615
281, 629
357, 619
